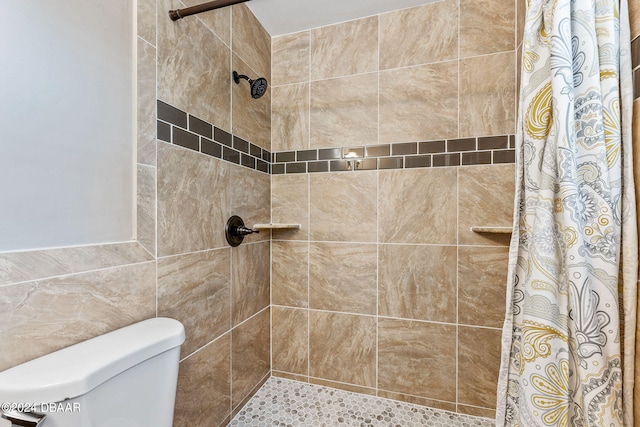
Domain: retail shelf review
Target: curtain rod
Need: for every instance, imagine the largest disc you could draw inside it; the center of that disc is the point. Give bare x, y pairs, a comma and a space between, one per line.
204, 7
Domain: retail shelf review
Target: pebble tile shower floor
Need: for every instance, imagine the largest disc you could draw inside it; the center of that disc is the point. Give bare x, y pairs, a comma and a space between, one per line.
281, 402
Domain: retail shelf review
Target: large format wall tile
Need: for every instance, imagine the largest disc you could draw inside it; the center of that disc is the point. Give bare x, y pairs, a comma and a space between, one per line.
485, 199
417, 206
342, 347
43, 316
344, 49
342, 277
16, 267
146, 207
290, 56
478, 366
487, 95
418, 282
290, 204
250, 41
146, 17
217, 20
196, 290
343, 207
486, 26
521, 14
433, 35
290, 117
482, 280
251, 117
193, 201
250, 355
146, 104
634, 18
417, 358
290, 341
419, 103
193, 68
290, 273
344, 103
250, 280
204, 386
251, 199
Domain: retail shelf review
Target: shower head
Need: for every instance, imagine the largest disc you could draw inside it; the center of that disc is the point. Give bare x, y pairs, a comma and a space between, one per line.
258, 86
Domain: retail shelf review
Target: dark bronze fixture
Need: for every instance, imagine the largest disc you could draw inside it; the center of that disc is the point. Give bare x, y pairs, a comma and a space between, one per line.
235, 230
204, 7
258, 86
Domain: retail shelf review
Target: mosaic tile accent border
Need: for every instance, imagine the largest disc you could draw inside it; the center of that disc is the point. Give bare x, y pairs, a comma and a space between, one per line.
285, 402
403, 155
181, 128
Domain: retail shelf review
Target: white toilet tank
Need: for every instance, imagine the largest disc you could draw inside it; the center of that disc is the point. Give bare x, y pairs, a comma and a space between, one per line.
125, 378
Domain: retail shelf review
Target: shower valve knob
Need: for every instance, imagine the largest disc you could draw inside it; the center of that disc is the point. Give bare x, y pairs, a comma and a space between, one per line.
235, 230
245, 230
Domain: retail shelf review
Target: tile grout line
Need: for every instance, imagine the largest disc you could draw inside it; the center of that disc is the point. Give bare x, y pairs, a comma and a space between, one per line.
309, 211
377, 177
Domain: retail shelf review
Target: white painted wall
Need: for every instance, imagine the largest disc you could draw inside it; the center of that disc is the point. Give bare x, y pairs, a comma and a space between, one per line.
67, 103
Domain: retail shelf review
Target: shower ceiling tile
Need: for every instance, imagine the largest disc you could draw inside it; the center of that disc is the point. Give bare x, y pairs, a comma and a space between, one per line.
436, 22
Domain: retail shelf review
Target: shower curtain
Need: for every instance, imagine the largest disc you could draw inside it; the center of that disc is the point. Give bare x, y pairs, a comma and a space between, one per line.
568, 337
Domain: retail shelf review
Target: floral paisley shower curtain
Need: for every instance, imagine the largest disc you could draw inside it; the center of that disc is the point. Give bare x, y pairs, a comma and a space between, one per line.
568, 337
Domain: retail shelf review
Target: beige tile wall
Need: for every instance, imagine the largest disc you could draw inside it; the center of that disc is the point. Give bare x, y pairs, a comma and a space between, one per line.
442, 70
395, 311
385, 290
181, 265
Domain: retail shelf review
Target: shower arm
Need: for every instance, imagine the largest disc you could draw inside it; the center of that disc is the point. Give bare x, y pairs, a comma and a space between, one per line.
204, 7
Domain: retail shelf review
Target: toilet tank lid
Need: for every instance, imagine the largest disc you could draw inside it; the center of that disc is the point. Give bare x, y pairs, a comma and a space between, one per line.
76, 370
